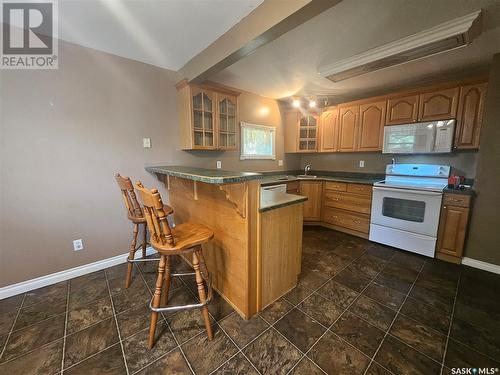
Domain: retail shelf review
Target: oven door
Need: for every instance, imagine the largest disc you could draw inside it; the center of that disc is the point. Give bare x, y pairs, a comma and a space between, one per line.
413, 211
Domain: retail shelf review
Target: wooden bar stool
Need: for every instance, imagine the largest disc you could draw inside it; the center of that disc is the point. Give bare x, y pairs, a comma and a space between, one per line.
185, 238
136, 216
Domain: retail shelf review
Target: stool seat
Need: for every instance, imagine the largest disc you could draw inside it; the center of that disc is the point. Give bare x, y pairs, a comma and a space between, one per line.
187, 236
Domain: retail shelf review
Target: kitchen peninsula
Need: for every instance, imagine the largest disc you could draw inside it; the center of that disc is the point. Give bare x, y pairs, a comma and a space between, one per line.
255, 256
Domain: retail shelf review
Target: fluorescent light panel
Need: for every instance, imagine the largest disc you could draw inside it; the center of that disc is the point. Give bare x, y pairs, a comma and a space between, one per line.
450, 35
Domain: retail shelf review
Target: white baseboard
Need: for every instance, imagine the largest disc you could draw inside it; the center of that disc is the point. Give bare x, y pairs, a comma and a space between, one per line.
39, 282
481, 265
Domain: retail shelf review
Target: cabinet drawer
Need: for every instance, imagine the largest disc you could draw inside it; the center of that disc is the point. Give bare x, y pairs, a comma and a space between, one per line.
350, 202
337, 186
359, 189
456, 200
349, 220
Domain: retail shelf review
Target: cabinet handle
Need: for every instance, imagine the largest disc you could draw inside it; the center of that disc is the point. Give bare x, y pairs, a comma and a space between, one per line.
356, 222
455, 200
335, 199
444, 206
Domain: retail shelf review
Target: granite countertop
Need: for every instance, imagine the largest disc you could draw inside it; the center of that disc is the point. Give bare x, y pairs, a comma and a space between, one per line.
210, 176
270, 200
464, 191
272, 180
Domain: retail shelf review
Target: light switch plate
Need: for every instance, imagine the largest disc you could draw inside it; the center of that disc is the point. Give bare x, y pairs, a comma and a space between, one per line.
280, 163
77, 245
219, 164
361, 163
146, 142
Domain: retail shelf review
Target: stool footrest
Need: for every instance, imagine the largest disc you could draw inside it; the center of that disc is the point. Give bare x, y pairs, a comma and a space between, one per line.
186, 307
182, 274
143, 260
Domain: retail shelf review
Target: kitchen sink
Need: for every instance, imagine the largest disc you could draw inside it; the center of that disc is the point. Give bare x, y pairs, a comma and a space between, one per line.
303, 176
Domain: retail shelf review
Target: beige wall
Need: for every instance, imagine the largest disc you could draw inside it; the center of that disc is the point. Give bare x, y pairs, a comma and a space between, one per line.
484, 238
65, 133
463, 163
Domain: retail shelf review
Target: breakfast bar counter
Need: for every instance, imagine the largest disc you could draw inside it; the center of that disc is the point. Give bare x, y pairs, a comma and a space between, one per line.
255, 255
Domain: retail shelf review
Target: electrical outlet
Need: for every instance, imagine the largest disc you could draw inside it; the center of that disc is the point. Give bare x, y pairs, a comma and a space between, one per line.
361, 163
280, 163
77, 245
219, 164
146, 142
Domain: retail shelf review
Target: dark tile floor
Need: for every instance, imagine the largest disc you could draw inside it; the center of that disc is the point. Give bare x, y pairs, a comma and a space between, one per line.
359, 308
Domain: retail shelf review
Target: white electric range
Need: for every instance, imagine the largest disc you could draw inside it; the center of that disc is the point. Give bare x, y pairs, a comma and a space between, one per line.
406, 206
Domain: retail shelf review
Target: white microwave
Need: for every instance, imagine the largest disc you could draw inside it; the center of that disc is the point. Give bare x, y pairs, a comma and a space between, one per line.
419, 138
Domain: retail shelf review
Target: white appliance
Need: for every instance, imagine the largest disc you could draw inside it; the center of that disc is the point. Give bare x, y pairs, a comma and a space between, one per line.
419, 138
406, 206
280, 187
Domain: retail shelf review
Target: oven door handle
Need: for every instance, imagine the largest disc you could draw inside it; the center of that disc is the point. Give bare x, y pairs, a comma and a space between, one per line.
421, 192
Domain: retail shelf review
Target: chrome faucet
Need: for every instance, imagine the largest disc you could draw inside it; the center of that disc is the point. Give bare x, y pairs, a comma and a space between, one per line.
393, 161
307, 169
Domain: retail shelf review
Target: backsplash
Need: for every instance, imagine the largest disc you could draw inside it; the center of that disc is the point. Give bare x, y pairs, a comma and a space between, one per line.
462, 163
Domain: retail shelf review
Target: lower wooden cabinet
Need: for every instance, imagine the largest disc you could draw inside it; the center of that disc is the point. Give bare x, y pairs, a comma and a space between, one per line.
292, 187
453, 227
347, 219
313, 190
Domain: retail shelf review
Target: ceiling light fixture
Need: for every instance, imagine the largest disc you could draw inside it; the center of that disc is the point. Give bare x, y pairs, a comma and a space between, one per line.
312, 103
296, 103
447, 36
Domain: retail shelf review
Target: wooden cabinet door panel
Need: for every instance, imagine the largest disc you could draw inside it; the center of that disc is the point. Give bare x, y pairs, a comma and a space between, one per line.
360, 189
371, 126
349, 220
402, 109
329, 131
312, 207
438, 105
470, 116
452, 229
348, 128
291, 131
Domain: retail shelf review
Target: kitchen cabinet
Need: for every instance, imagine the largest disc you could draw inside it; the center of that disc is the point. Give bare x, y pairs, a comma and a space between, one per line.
402, 109
301, 132
470, 116
328, 139
347, 207
292, 187
438, 105
226, 115
313, 190
308, 133
208, 118
348, 128
452, 230
371, 126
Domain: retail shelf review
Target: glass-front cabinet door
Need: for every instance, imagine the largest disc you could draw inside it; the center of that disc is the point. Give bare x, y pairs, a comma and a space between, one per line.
308, 130
203, 119
227, 117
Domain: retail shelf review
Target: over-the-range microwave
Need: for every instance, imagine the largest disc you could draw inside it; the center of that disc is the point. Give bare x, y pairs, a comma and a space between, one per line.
419, 138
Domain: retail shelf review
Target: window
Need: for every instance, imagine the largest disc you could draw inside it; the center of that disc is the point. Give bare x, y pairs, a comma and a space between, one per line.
257, 141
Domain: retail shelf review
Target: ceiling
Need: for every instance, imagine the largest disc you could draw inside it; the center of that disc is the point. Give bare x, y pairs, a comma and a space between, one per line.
164, 33
289, 65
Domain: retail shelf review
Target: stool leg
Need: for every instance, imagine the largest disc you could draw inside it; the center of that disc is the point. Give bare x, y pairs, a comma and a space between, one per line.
202, 294
156, 301
144, 240
166, 287
203, 266
131, 255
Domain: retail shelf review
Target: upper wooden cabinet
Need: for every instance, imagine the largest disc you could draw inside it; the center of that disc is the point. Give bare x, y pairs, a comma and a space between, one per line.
208, 118
328, 139
402, 109
470, 116
358, 126
301, 132
438, 105
308, 133
226, 115
348, 127
371, 126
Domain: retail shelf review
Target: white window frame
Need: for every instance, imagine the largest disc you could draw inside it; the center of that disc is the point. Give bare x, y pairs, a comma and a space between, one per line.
271, 129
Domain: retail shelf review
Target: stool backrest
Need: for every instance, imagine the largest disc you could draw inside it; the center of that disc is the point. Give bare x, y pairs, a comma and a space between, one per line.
129, 197
158, 226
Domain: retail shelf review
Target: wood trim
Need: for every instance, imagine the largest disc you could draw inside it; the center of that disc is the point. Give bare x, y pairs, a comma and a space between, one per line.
236, 194
448, 258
